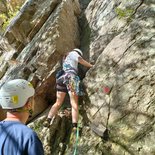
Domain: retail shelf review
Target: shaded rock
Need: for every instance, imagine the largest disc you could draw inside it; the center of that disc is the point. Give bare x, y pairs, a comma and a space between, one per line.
56, 137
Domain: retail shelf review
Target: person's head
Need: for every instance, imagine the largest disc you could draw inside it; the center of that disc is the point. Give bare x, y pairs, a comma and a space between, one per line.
78, 51
17, 95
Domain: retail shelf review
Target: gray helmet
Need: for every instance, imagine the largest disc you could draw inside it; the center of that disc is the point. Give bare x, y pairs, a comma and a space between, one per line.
15, 93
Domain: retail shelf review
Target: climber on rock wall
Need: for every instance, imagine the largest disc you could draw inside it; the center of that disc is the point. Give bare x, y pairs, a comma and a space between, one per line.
68, 82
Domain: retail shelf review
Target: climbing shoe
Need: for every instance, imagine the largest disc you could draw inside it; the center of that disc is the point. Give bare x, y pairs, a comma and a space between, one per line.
47, 122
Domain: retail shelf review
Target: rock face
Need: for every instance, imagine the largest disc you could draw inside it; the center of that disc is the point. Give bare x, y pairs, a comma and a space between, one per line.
40, 34
122, 40
117, 111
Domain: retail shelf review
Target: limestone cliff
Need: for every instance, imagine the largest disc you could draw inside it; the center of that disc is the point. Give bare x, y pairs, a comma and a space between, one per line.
118, 36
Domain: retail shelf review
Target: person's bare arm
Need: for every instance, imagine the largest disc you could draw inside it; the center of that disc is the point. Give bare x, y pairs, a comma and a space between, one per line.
84, 62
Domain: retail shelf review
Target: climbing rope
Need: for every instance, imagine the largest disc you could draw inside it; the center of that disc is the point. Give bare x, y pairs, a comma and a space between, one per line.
76, 142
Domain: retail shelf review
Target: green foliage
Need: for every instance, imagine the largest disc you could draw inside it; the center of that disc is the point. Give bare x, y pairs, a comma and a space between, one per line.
124, 13
11, 14
10, 9
37, 127
3, 17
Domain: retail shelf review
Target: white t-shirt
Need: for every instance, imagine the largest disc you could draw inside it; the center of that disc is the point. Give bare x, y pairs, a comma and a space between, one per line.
71, 61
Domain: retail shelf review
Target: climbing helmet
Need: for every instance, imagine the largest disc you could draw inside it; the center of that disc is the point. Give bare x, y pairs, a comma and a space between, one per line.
15, 93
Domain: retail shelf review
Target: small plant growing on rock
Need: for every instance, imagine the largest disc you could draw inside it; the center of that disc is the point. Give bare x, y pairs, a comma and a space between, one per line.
124, 13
